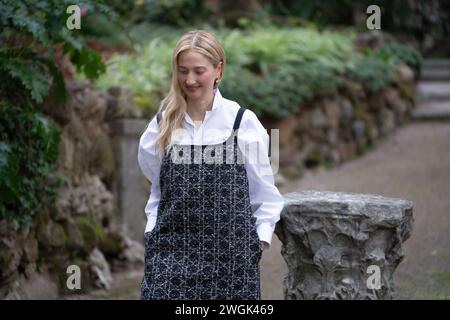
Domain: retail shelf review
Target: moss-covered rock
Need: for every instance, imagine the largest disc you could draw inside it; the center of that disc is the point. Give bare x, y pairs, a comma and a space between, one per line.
91, 231
112, 245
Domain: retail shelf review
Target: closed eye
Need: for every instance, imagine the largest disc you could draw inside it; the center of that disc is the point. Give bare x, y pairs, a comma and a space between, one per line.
185, 72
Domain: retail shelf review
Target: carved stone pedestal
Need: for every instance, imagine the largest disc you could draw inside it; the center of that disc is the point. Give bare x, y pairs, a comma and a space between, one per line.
342, 245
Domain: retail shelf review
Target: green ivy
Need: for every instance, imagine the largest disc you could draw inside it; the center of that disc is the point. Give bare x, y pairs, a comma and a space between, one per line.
29, 32
28, 150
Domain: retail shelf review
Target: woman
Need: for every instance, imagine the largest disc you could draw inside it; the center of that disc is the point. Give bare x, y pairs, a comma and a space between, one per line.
212, 208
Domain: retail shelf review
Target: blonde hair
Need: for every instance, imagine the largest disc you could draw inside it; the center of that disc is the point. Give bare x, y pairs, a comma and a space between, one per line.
175, 103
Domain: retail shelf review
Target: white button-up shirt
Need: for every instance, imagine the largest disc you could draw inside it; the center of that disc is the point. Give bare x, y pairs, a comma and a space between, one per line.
265, 199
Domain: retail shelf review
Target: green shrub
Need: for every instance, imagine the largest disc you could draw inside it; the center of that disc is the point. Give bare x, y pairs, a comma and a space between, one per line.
400, 52
147, 73
274, 45
371, 71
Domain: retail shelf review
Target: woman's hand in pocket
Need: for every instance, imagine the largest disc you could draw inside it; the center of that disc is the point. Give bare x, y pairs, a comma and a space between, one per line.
263, 245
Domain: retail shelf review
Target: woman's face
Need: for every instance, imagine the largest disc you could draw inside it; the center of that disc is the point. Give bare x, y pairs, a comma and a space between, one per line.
196, 74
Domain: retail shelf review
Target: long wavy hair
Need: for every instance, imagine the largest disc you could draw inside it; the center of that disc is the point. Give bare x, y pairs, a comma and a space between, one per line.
175, 103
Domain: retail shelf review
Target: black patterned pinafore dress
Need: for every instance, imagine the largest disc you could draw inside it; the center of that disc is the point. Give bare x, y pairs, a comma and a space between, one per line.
204, 244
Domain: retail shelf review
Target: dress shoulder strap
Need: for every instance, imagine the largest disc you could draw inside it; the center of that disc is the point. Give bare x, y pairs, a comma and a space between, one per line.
237, 121
158, 117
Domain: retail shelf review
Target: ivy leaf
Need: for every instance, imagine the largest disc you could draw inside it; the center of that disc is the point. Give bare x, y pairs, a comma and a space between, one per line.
87, 61
59, 92
31, 77
67, 37
49, 133
29, 24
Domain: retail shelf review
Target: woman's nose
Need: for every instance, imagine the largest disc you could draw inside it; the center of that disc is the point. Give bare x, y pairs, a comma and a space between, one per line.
190, 79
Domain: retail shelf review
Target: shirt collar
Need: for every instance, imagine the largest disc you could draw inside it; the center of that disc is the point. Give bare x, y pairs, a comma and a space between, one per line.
217, 102
217, 99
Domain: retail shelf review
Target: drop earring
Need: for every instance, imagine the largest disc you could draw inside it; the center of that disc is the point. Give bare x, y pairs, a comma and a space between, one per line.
216, 83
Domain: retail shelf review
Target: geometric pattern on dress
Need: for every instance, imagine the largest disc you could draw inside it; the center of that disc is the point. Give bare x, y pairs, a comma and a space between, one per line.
204, 245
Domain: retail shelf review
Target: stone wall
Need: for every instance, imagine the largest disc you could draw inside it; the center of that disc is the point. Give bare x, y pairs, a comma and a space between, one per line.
83, 228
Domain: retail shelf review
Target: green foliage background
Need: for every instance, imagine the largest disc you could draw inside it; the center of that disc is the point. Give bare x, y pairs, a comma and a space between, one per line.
269, 69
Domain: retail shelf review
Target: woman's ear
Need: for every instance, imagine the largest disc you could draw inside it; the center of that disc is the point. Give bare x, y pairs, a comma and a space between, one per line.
220, 70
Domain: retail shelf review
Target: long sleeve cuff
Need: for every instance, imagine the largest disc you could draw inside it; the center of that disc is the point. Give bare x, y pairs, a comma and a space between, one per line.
265, 231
